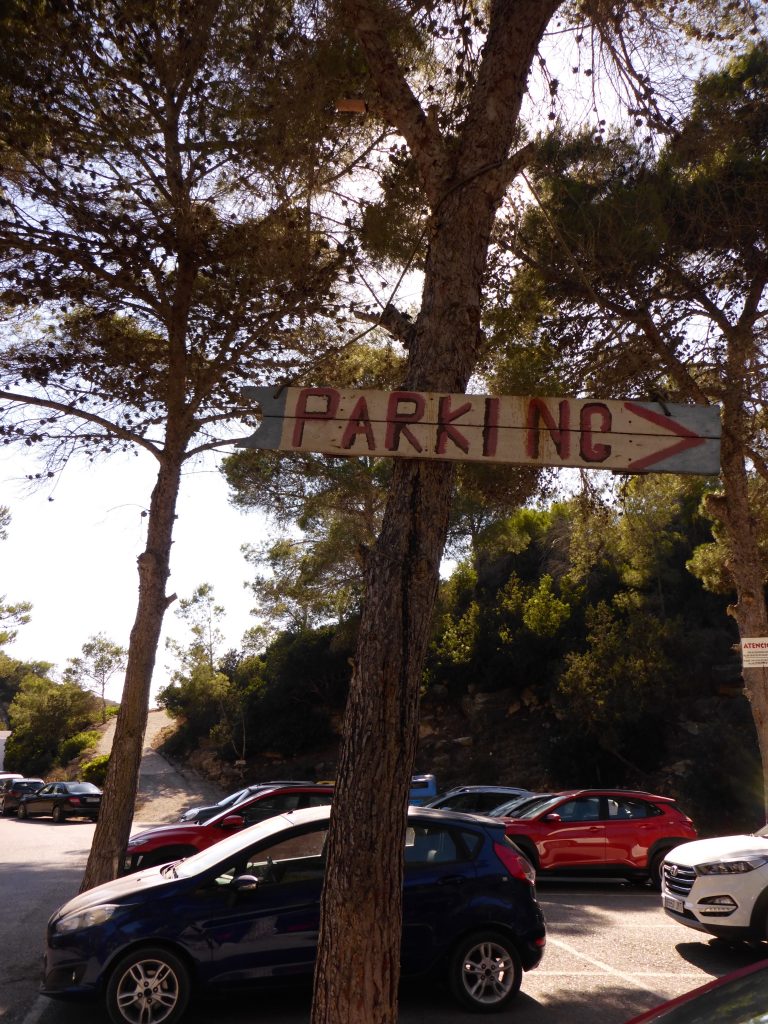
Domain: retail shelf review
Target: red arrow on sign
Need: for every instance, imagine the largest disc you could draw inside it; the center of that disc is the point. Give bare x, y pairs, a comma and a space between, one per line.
690, 440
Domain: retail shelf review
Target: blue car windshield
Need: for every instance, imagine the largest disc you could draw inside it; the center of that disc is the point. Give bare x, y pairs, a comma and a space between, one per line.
220, 851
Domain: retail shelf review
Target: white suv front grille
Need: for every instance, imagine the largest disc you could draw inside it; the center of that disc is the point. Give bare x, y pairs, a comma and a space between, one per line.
678, 878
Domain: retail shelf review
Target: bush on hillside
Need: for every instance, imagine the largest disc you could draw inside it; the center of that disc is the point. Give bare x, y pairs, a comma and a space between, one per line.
95, 770
74, 745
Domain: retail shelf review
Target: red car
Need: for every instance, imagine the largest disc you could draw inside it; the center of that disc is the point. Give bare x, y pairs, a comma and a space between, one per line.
601, 831
739, 998
171, 842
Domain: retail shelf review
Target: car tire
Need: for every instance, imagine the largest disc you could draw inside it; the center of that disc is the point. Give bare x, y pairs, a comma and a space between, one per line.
58, 815
528, 848
149, 985
654, 870
485, 971
22, 811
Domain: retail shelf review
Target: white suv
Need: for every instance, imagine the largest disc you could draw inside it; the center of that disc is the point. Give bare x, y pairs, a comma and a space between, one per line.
719, 886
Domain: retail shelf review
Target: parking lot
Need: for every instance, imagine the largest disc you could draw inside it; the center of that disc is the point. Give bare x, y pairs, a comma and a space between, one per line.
611, 950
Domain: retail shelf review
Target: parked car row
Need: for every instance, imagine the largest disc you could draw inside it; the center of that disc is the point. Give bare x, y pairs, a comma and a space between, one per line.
253, 863
31, 798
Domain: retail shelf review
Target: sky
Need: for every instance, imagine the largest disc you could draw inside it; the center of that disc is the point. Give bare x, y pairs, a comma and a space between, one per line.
72, 549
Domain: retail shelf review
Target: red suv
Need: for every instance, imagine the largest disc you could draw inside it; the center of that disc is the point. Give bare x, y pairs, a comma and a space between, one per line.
171, 842
601, 831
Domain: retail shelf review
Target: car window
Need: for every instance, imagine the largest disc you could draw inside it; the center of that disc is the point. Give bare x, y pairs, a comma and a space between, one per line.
298, 858
316, 799
83, 787
458, 802
233, 798
539, 807
585, 808
472, 841
486, 801
622, 808
431, 844
517, 807
268, 807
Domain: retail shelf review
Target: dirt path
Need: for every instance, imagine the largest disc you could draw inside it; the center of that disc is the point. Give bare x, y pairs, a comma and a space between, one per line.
165, 790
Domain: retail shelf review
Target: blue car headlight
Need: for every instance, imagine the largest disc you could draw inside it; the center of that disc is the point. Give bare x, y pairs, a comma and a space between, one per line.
81, 919
732, 867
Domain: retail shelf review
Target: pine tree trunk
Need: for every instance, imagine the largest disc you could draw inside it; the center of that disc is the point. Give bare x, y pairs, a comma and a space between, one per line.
116, 813
745, 566
358, 965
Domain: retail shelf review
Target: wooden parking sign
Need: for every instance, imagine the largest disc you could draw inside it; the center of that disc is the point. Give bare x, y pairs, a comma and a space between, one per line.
626, 436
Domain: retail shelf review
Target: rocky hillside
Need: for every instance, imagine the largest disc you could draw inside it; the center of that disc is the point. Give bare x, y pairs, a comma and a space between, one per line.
506, 738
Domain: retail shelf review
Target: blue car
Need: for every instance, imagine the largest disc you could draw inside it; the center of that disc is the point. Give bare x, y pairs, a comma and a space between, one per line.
247, 911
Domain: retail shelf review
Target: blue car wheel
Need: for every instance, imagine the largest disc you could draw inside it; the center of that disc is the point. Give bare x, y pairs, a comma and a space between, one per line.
149, 985
485, 971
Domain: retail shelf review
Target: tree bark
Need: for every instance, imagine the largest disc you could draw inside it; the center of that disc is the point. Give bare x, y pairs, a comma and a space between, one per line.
358, 967
116, 813
745, 566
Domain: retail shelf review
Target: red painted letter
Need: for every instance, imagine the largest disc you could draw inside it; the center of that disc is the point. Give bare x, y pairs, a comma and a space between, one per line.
559, 432
491, 426
359, 422
590, 451
301, 414
445, 417
396, 420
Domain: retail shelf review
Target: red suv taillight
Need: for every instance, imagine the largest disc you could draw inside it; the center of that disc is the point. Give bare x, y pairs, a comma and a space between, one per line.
74, 800
515, 863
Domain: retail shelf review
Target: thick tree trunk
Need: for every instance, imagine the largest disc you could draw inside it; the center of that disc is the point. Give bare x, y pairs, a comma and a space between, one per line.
363, 886
745, 565
116, 815
358, 964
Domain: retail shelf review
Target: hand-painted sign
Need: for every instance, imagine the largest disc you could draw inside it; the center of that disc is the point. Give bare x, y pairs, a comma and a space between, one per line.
623, 436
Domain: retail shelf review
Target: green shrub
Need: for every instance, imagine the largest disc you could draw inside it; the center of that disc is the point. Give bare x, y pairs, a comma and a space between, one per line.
95, 770
74, 745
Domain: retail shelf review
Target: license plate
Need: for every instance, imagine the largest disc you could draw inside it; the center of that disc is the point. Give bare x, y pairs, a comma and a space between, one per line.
671, 903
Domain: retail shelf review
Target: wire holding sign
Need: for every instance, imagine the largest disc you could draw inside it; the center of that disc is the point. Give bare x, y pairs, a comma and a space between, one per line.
622, 436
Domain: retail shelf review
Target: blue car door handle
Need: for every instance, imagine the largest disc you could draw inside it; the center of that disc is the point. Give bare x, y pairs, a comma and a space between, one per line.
452, 880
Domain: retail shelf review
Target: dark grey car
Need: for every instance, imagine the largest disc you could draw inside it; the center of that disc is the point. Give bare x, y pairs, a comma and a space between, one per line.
62, 800
12, 792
